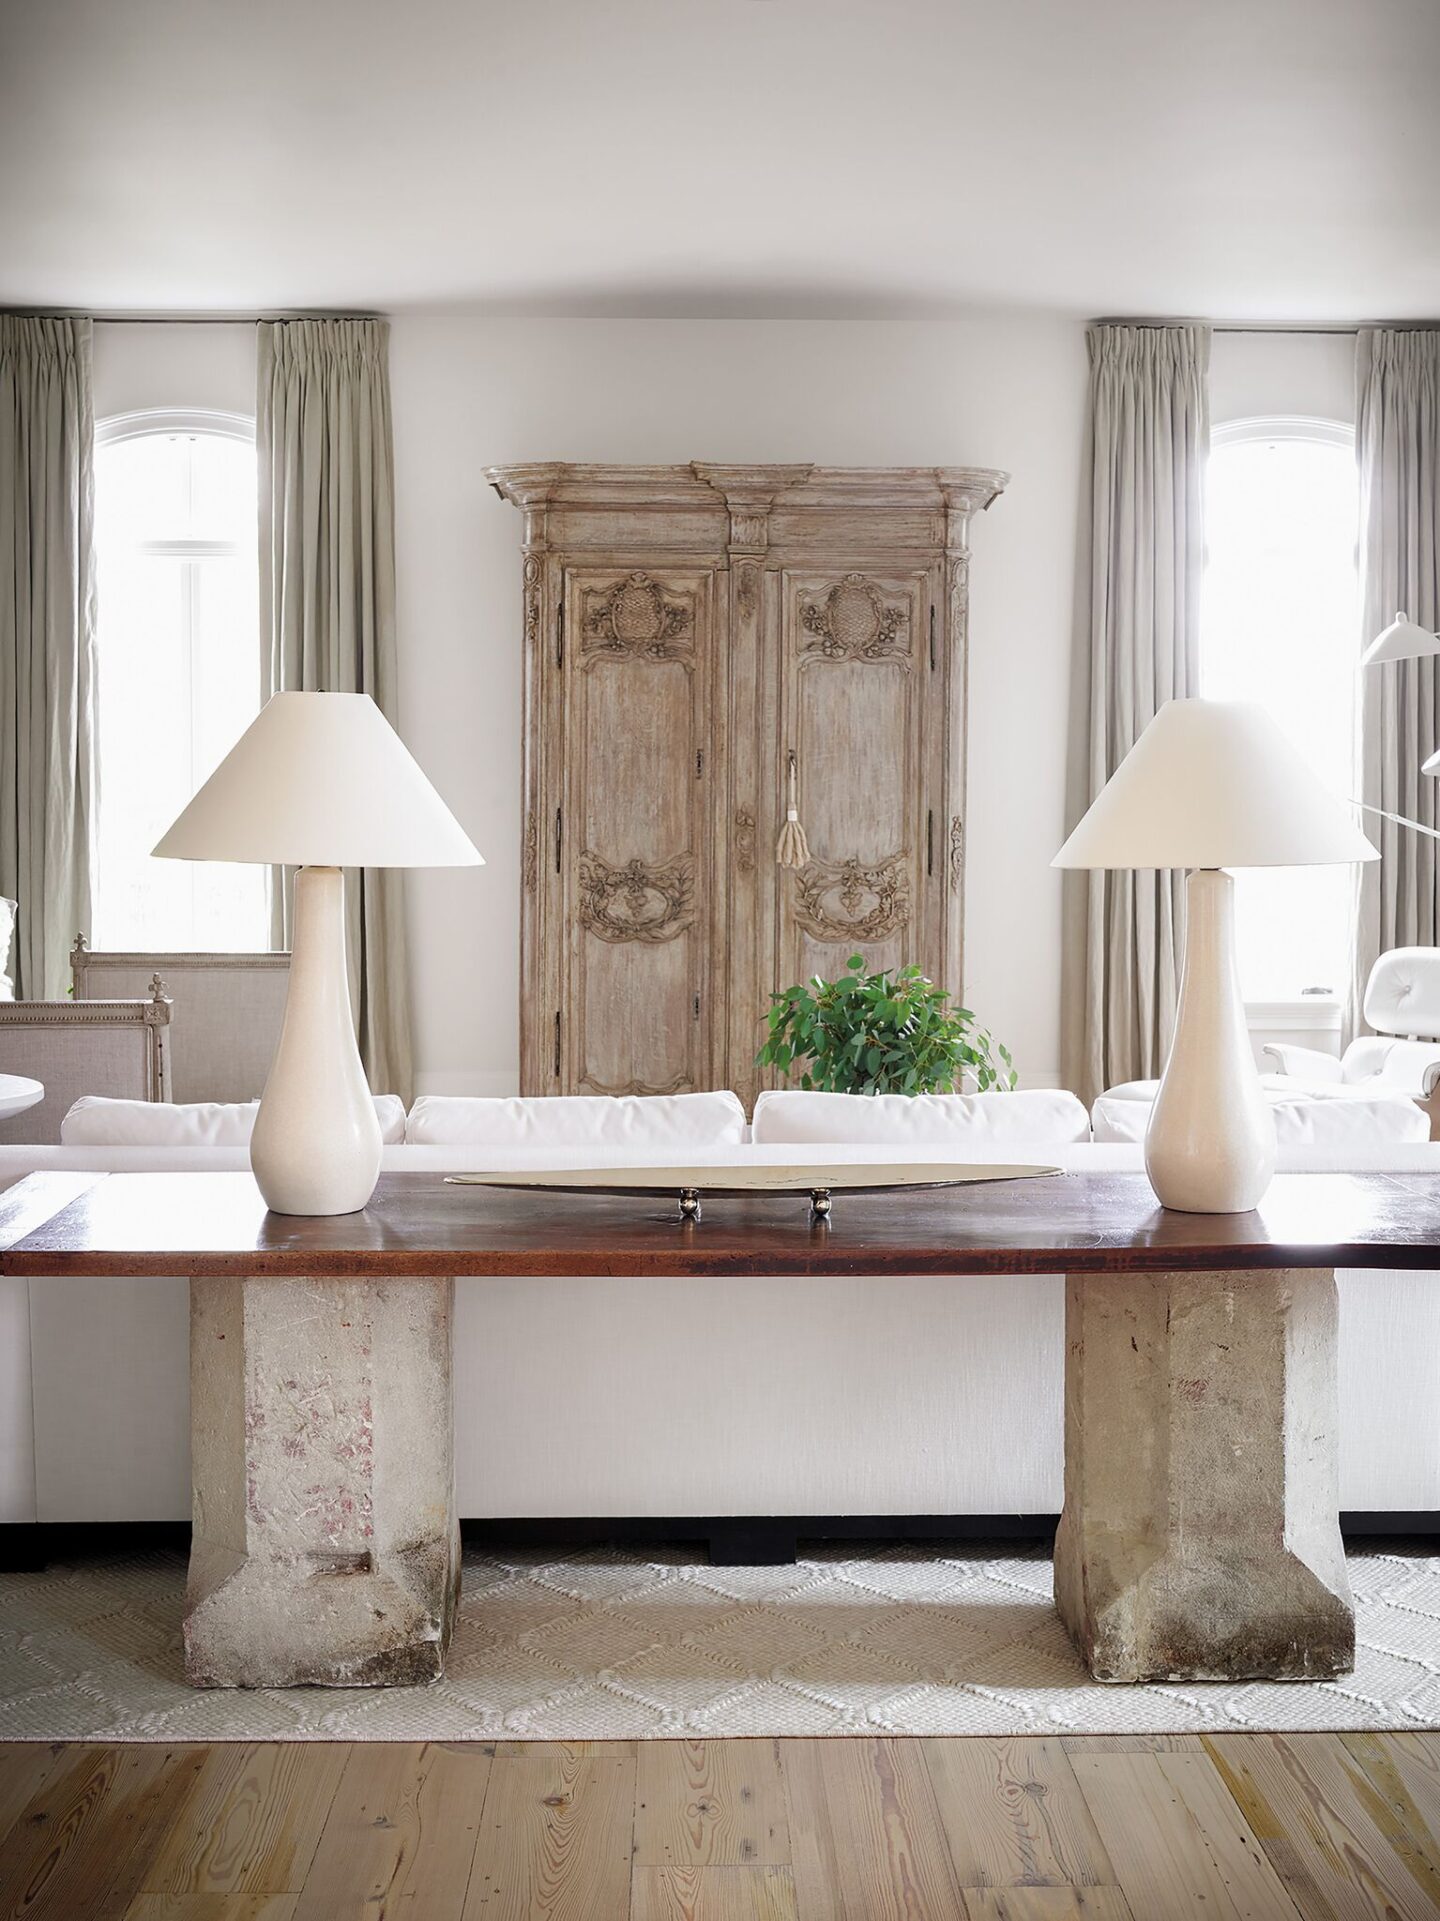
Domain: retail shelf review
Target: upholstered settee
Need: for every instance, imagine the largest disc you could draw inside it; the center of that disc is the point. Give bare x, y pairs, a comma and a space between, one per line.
743, 1397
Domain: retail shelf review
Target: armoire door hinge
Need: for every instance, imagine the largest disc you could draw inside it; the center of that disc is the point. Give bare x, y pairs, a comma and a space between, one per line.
559, 835
557, 1043
700, 764
560, 633
697, 1007
932, 640
930, 840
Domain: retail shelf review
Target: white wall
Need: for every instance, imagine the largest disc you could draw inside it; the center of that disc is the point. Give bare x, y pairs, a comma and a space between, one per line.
999, 390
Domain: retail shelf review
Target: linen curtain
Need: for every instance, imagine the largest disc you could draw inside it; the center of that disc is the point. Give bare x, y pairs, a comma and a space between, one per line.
47, 643
1137, 646
1397, 444
327, 605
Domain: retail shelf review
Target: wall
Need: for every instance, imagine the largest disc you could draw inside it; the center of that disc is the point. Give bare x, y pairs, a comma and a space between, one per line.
1001, 390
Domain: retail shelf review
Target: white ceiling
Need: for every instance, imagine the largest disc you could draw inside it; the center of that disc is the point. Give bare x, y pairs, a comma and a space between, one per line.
1261, 159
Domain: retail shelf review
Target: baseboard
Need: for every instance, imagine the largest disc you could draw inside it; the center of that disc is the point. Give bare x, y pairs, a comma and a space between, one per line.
731, 1540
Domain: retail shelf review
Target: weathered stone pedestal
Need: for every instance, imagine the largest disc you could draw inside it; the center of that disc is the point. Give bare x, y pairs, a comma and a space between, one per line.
326, 1547
1200, 1538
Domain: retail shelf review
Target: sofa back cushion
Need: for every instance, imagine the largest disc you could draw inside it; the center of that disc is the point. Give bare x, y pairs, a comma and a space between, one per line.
1038, 1116
93, 1121
1327, 1122
656, 1121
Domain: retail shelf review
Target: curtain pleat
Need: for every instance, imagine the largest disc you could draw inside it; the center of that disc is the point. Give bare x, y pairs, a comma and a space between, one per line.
47, 643
327, 600
1138, 629
1397, 444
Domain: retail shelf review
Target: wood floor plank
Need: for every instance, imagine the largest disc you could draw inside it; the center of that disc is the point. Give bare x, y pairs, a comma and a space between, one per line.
1325, 1823
725, 1893
555, 1837
1131, 1743
1014, 1815
1405, 1768
254, 1822
25, 1767
866, 1841
1050, 1904
706, 1803
1177, 1841
83, 1844
400, 1834
149, 1906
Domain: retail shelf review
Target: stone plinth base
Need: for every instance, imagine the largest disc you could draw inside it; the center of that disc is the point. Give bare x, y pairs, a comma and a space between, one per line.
1201, 1538
326, 1547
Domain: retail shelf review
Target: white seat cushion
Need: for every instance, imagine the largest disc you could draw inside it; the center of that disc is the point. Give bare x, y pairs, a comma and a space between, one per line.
1325, 1121
1036, 1116
94, 1121
578, 1120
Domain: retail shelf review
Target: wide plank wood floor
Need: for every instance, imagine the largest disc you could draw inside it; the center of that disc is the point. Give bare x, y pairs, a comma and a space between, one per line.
1238, 1827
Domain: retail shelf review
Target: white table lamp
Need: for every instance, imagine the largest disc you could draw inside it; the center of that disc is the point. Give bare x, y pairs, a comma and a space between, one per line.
1212, 784
319, 782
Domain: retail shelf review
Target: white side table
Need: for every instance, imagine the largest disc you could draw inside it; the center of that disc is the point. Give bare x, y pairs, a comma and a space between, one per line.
17, 1093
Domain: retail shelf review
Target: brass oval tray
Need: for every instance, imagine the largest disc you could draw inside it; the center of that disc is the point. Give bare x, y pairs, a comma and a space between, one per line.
818, 1181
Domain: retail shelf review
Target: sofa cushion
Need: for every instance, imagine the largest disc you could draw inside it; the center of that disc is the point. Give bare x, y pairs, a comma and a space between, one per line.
1037, 1116
1328, 1120
95, 1121
578, 1120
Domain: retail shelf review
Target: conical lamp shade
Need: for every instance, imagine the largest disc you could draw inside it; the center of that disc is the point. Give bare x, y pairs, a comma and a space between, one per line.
320, 780
1214, 783
1401, 640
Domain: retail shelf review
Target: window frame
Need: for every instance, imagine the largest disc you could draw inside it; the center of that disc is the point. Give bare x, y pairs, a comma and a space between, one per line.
146, 423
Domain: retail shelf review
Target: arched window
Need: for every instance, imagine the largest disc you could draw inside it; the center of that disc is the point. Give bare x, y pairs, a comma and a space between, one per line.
1279, 625
178, 669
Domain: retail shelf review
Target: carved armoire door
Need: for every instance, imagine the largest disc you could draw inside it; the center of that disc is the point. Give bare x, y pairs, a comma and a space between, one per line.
633, 835
861, 711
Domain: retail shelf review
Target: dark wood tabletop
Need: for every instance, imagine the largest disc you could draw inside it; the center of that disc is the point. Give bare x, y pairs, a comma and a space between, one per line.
216, 1224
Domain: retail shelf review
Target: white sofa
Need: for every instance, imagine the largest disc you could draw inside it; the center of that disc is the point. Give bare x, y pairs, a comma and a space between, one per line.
747, 1396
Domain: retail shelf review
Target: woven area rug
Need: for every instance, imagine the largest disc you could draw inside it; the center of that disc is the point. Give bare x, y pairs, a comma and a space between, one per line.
607, 1645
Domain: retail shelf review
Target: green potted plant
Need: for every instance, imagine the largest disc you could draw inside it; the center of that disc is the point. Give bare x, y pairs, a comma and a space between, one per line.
886, 1033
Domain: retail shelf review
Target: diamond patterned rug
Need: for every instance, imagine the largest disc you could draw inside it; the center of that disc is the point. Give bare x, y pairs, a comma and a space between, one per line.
606, 1645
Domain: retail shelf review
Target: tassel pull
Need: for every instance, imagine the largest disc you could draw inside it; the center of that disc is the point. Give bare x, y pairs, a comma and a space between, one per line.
792, 849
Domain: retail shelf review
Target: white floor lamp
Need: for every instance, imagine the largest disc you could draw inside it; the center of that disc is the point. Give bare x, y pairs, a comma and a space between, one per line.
1212, 784
319, 782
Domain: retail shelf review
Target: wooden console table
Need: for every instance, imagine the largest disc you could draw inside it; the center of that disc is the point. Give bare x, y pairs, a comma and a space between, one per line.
1200, 1535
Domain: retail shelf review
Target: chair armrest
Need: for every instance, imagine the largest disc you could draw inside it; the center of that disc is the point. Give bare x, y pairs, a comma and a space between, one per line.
1307, 1063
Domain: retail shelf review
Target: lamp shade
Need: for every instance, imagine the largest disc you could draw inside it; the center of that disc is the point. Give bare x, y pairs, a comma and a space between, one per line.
1214, 783
1401, 640
320, 780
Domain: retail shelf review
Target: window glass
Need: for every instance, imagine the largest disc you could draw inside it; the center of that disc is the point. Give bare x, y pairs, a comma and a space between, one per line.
1279, 618
178, 677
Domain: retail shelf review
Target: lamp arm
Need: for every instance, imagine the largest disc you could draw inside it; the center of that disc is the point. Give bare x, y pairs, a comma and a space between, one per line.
1400, 820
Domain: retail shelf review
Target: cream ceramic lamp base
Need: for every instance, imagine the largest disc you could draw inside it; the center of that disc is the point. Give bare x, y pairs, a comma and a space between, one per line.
316, 1145
1210, 1146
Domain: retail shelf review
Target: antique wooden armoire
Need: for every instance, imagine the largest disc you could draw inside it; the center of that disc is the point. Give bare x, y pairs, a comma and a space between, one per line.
686, 630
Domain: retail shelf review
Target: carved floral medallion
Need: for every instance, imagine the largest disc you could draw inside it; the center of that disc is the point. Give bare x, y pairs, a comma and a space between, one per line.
636, 618
635, 902
853, 622
846, 900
